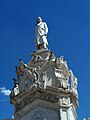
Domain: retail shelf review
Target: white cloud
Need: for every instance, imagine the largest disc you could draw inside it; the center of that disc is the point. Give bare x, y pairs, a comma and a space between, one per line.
4, 91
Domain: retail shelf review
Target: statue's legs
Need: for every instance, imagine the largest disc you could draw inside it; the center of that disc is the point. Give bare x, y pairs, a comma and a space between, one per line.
40, 46
44, 45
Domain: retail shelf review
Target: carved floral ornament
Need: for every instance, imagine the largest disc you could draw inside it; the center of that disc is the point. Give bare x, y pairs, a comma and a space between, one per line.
53, 68
44, 80
37, 73
62, 100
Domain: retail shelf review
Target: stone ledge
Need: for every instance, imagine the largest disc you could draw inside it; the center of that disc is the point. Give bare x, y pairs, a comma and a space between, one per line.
50, 94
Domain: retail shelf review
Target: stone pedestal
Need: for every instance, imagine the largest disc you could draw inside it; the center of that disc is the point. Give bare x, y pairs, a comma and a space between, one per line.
47, 89
45, 104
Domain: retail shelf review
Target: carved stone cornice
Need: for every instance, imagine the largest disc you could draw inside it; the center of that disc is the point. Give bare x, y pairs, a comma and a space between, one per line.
50, 94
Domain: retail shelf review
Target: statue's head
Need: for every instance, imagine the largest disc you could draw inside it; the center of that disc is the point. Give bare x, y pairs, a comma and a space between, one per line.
39, 19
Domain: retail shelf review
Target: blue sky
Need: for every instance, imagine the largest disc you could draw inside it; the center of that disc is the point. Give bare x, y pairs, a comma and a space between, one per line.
69, 35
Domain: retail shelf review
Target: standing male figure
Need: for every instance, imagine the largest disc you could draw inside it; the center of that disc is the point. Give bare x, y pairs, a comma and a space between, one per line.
41, 34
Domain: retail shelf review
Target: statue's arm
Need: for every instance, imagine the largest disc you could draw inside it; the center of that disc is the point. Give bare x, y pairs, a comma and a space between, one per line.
37, 31
46, 28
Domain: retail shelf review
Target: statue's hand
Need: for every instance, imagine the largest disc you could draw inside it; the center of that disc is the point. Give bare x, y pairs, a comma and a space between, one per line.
45, 34
43, 29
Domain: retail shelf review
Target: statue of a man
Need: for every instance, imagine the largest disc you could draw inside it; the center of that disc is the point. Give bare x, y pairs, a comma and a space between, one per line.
41, 34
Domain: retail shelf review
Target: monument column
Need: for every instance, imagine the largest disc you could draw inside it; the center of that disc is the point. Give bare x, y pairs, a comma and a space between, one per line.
45, 88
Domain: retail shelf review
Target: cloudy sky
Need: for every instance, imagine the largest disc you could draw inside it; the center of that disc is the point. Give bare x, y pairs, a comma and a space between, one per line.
69, 35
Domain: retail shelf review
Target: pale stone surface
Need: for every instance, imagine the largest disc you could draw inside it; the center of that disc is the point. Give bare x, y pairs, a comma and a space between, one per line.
72, 113
47, 89
41, 34
41, 113
45, 78
74, 83
16, 90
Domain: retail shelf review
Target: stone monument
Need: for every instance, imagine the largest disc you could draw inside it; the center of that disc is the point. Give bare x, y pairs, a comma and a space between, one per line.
45, 88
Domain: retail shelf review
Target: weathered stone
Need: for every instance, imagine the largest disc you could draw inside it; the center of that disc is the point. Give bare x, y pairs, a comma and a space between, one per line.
47, 89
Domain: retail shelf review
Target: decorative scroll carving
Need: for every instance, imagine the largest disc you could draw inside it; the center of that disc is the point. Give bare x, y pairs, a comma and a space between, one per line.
27, 76
73, 83
37, 95
65, 101
36, 59
52, 72
43, 96
51, 56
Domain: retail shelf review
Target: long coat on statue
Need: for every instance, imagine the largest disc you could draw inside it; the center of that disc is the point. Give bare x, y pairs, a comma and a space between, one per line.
41, 33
